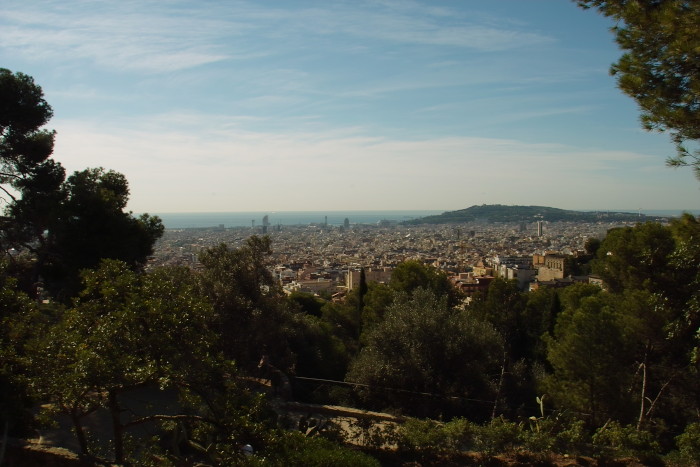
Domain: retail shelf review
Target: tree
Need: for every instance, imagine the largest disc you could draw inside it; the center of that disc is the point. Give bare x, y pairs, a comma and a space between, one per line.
660, 67
30, 180
361, 291
252, 317
126, 332
503, 308
378, 298
412, 274
539, 317
591, 360
64, 225
24, 147
93, 226
18, 316
427, 358
637, 258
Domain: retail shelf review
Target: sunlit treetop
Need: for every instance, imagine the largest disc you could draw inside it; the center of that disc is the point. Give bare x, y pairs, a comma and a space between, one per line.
660, 67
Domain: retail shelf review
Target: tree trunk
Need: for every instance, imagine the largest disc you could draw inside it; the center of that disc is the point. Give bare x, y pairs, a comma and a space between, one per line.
642, 404
117, 428
500, 385
79, 432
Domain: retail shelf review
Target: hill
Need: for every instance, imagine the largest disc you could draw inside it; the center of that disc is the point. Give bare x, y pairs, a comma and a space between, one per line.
501, 213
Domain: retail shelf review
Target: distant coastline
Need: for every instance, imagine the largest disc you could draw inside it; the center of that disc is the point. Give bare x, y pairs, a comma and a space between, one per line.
185, 220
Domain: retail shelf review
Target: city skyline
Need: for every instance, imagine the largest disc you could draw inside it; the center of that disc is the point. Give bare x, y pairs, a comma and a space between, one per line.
312, 106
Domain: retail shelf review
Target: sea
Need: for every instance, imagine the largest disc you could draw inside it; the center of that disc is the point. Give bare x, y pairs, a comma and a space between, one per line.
187, 220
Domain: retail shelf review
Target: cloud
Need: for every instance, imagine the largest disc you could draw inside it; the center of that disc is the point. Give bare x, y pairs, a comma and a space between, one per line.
158, 37
123, 35
175, 162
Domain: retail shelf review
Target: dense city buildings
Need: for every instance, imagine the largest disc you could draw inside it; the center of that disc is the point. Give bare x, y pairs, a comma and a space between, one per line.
320, 258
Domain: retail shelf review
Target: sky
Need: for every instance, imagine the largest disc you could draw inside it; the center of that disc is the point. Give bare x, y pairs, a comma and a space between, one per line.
224, 105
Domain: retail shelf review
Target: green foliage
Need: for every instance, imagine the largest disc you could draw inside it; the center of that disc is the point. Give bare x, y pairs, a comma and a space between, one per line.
539, 317
66, 225
498, 436
543, 435
590, 355
344, 322
501, 213
685, 259
362, 290
24, 146
653, 272
432, 437
424, 435
93, 226
637, 258
374, 305
503, 307
620, 441
556, 433
571, 297
424, 346
688, 443
306, 302
252, 318
319, 352
659, 67
126, 331
410, 275
17, 312
592, 245
294, 449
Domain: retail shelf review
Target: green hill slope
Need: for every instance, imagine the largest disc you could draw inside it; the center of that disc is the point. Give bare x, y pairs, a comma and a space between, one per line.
501, 213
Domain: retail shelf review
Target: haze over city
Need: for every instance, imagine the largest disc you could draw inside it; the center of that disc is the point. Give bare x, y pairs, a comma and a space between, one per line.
278, 106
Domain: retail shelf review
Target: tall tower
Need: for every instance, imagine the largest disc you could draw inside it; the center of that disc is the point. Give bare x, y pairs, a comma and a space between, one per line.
539, 228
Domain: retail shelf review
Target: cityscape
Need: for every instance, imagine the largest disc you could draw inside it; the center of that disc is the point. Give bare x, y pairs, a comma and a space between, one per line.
219, 243
321, 258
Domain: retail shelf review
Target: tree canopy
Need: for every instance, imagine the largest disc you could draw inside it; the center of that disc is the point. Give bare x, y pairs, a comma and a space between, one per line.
24, 146
660, 67
61, 225
425, 346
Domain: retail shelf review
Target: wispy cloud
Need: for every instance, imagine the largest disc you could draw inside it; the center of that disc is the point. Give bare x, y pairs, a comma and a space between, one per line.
379, 172
145, 36
124, 35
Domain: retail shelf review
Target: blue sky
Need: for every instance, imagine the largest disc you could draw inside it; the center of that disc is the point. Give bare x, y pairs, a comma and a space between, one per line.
343, 105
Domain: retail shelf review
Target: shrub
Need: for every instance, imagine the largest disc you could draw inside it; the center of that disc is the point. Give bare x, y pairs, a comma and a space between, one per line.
497, 437
434, 437
555, 434
623, 441
688, 444
422, 435
294, 449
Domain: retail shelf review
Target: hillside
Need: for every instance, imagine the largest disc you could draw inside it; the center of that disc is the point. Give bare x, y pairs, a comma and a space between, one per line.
501, 213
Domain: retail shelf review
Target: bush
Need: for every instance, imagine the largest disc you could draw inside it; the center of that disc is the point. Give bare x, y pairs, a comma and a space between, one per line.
294, 449
555, 434
422, 435
688, 444
499, 436
540, 435
621, 441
